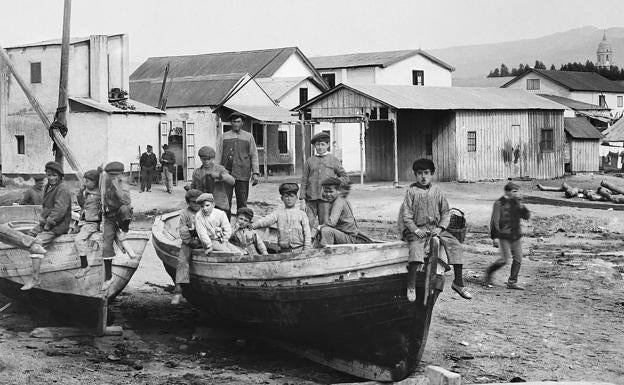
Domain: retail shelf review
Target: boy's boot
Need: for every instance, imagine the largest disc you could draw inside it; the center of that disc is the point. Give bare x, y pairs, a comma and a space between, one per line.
412, 269
108, 273
35, 282
491, 270
512, 283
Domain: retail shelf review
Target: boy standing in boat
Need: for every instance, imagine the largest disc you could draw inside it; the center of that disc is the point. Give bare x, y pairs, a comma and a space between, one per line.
244, 236
54, 219
424, 214
340, 227
212, 178
90, 200
117, 215
213, 227
292, 223
505, 229
190, 241
318, 167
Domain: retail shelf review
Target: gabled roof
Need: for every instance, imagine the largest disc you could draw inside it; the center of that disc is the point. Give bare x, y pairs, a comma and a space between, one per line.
373, 59
222, 63
269, 114
187, 91
494, 82
277, 88
73, 40
575, 81
580, 128
615, 133
573, 104
445, 98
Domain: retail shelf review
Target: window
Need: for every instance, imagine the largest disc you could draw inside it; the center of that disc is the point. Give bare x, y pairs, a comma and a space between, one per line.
373, 114
429, 144
383, 113
35, 72
21, 147
330, 79
620, 101
602, 101
303, 95
546, 142
258, 134
472, 141
282, 142
533, 84
418, 78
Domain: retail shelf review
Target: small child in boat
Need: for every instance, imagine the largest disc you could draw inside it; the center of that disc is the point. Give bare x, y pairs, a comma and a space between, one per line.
425, 213
190, 241
244, 236
90, 200
292, 223
213, 227
341, 226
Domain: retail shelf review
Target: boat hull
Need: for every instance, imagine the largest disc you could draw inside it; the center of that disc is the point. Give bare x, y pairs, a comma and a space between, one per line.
345, 306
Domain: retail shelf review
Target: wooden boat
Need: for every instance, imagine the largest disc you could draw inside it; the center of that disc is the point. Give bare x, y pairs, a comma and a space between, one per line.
344, 306
66, 290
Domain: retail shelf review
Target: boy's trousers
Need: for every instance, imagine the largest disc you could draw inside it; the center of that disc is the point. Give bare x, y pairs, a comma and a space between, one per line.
453, 248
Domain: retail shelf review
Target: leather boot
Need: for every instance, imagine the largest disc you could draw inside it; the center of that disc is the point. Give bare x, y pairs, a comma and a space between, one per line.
35, 282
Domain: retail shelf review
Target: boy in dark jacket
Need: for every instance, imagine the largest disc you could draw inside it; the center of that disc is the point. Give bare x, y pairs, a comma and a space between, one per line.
506, 233
90, 200
244, 236
54, 219
212, 178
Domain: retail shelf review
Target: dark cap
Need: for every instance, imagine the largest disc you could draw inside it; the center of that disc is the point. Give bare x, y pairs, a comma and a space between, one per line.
320, 137
286, 188
93, 175
55, 166
235, 115
165, 146
192, 194
331, 181
512, 186
423, 164
245, 212
205, 197
114, 168
149, 146
206, 152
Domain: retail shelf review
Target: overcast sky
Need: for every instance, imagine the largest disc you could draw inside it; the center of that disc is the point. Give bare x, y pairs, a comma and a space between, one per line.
319, 27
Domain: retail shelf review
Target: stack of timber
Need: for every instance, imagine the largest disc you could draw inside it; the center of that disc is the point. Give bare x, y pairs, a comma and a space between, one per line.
343, 306
606, 192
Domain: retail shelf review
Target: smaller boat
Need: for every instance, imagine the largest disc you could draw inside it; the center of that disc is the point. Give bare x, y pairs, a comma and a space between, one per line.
344, 306
66, 291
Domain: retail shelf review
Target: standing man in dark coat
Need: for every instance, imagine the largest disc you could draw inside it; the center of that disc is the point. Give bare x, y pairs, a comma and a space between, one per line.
147, 163
240, 158
167, 160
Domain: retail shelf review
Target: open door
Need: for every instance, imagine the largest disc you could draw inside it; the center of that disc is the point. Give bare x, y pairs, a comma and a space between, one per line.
190, 150
512, 152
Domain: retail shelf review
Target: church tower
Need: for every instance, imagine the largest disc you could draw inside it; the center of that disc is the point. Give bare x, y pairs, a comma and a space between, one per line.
604, 53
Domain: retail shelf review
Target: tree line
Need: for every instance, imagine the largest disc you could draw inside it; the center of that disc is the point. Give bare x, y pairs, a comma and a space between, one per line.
611, 73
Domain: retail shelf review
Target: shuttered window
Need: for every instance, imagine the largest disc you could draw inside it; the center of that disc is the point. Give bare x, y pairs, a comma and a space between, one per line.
472, 141
533, 84
547, 142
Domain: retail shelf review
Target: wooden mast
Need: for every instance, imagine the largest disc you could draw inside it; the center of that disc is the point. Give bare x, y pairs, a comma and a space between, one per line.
61, 115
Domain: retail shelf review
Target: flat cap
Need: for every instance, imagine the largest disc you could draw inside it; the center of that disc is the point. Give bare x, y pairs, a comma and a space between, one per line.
205, 197
114, 168
54, 166
207, 152
192, 194
285, 188
331, 181
512, 186
93, 175
165, 146
320, 137
246, 212
236, 115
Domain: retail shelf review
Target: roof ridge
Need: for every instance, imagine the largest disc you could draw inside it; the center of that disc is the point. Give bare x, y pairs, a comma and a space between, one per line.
222, 53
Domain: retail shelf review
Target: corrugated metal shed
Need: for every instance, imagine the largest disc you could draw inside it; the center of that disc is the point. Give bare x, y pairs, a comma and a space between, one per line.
374, 59
580, 128
273, 114
278, 87
447, 98
573, 104
186, 91
576, 81
615, 133
139, 108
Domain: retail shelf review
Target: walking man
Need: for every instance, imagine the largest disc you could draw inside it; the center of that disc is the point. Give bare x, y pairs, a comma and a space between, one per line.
147, 163
167, 160
240, 158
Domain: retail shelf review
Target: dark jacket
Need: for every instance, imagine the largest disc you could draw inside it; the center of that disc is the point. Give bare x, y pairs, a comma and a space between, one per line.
170, 159
506, 215
148, 160
32, 196
117, 207
317, 168
56, 212
204, 182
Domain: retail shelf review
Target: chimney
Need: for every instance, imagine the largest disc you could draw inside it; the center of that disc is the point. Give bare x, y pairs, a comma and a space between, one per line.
98, 68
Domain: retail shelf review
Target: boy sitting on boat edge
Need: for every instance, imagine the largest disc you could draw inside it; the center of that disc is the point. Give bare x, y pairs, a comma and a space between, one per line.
213, 227
244, 236
90, 200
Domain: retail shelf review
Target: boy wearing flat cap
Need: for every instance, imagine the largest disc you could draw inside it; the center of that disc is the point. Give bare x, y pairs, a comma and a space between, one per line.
318, 167
212, 178
505, 229
90, 200
213, 227
190, 241
292, 223
54, 218
244, 236
340, 226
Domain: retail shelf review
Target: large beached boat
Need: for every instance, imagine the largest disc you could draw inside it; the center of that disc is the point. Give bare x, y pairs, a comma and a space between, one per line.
344, 306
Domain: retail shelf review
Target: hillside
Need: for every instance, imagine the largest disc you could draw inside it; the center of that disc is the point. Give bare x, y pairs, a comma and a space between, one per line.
574, 45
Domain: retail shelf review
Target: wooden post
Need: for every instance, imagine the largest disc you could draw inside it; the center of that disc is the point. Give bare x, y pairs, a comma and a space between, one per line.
264, 153
395, 149
303, 140
56, 135
63, 80
362, 151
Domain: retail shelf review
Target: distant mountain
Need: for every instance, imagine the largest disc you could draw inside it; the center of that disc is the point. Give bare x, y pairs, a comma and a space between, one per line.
578, 45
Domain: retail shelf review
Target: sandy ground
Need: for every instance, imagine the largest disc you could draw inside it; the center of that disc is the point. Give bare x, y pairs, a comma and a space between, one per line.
567, 325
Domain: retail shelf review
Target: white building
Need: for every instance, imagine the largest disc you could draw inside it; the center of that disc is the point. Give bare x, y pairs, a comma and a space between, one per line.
100, 129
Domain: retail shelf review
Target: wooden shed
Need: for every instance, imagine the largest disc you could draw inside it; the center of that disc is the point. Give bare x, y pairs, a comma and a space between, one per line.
470, 133
582, 145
